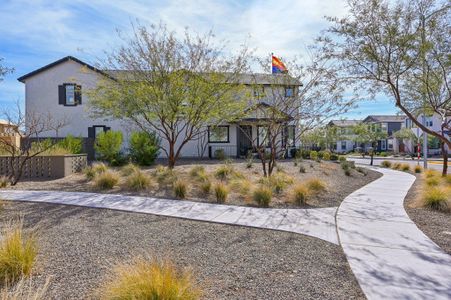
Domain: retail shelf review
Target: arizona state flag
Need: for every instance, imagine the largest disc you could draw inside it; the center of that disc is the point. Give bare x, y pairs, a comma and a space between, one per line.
278, 66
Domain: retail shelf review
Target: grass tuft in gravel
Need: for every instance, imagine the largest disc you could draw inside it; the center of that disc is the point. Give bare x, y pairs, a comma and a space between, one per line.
418, 169
129, 169
386, 164
149, 279
405, 167
316, 185
221, 192
224, 172
24, 290
180, 189
396, 166
262, 195
432, 181
205, 187
300, 194
106, 180
3, 182
138, 181
18, 252
437, 198
431, 173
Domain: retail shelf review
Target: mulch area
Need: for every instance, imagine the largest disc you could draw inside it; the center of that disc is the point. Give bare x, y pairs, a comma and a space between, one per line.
78, 246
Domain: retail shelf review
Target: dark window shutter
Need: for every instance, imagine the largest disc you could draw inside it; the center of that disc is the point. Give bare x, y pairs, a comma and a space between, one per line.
78, 94
107, 128
61, 94
91, 132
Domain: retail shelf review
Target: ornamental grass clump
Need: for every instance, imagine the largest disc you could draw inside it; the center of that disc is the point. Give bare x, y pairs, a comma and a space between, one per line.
129, 169
316, 185
300, 194
25, 290
224, 172
405, 167
262, 195
18, 251
437, 198
386, 164
432, 181
221, 192
3, 181
138, 181
205, 187
149, 279
396, 166
106, 180
164, 174
418, 169
241, 185
180, 189
197, 172
431, 173
313, 155
96, 169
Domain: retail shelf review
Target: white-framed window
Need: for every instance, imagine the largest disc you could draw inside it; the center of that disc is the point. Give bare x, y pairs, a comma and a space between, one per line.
390, 144
383, 145
218, 134
70, 94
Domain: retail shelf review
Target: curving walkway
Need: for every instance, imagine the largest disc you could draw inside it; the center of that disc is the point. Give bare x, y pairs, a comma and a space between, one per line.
389, 255
318, 223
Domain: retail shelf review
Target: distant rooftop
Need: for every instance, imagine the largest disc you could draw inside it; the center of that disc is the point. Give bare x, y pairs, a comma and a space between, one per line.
344, 123
384, 118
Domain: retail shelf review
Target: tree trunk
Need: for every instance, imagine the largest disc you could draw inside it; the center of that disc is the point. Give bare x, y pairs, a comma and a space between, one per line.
371, 162
171, 156
445, 159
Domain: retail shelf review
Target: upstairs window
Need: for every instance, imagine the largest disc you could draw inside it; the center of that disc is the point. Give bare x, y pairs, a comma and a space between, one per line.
289, 91
69, 94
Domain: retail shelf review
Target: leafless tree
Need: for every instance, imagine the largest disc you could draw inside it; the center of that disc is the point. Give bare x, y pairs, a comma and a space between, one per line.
20, 128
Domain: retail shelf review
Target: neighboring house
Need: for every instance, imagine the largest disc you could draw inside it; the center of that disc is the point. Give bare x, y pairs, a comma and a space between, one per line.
58, 89
389, 124
9, 134
345, 131
434, 123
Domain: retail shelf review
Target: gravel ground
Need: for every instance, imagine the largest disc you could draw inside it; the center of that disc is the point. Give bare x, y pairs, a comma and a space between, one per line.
338, 184
77, 246
436, 225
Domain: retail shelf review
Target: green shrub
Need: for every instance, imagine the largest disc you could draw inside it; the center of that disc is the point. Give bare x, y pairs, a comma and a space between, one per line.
129, 169
206, 187
144, 147
436, 198
341, 158
300, 194
149, 279
320, 154
334, 157
18, 252
221, 192
72, 144
106, 180
262, 195
138, 180
326, 155
313, 155
108, 146
180, 189
316, 185
418, 169
386, 164
220, 154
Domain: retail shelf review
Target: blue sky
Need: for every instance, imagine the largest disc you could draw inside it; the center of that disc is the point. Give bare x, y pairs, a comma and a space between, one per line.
34, 33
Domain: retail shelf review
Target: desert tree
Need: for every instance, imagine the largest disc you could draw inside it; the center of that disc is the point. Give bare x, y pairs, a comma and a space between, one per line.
398, 48
286, 106
16, 142
172, 85
368, 133
4, 70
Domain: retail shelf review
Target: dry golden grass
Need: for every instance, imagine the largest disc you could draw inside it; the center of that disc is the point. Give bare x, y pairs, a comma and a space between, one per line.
300, 194
205, 187
138, 180
437, 198
418, 169
241, 185
316, 185
4, 181
432, 181
221, 192
180, 189
149, 279
431, 173
18, 251
106, 180
262, 195
405, 167
396, 166
24, 290
129, 169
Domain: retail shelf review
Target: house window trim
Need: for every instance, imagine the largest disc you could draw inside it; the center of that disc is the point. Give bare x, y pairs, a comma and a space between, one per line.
219, 142
105, 129
76, 86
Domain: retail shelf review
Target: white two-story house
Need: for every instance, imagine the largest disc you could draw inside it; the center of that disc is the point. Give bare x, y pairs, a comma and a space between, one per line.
58, 89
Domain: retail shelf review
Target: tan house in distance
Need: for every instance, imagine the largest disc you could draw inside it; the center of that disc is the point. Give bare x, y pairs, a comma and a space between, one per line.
9, 133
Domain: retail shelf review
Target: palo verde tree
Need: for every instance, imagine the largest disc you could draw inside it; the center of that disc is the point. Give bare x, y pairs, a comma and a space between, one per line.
288, 105
174, 86
398, 48
365, 133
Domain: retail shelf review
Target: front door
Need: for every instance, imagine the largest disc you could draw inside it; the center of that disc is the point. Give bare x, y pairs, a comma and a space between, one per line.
244, 139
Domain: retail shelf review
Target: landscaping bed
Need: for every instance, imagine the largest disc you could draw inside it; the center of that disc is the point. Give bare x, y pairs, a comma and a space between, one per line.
78, 246
435, 224
240, 182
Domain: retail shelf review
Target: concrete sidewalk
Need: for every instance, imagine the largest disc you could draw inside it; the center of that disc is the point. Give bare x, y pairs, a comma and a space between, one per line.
318, 223
390, 256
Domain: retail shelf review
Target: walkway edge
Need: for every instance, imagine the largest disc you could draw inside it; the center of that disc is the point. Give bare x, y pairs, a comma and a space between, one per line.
389, 255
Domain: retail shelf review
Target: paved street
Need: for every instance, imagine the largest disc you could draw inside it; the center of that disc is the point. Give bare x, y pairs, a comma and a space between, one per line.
435, 165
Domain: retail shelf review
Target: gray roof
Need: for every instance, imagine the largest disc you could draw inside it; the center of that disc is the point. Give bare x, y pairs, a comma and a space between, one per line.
344, 123
248, 79
385, 118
